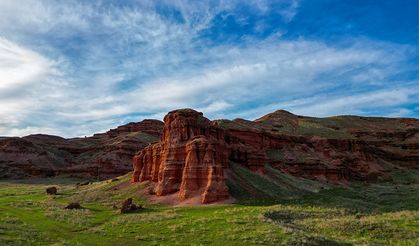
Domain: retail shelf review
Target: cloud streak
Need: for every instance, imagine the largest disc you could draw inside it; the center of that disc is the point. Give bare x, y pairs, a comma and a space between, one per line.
20, 65
75, 68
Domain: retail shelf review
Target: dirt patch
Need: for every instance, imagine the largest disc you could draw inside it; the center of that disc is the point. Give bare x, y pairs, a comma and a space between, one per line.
173, 199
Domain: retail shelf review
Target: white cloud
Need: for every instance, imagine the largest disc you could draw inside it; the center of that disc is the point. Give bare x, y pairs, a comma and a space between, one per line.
290, 10
74, 68
400, 112
252, 73
27, 131
361, 103
42, 16
23, 72
215, 107
356, 104
19, 65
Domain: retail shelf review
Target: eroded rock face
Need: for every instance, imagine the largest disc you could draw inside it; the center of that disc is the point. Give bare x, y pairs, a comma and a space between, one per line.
190, 159
194, 153
204, 170
147, 164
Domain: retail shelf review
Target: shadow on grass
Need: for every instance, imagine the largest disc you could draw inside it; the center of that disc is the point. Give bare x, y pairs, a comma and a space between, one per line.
372, 199
58, 180
252, 189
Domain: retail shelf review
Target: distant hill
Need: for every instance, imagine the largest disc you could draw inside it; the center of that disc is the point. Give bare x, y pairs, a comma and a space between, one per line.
105, 155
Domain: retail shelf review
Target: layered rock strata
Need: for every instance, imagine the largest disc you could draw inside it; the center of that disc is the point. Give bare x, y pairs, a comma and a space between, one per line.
100, 156
194, 153
190, 159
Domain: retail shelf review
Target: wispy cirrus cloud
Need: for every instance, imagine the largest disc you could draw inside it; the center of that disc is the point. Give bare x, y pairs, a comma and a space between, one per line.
90, 66
386, 102
22, 73
20, 65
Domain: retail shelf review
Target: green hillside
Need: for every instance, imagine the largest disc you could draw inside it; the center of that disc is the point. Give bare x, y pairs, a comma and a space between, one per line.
270, 210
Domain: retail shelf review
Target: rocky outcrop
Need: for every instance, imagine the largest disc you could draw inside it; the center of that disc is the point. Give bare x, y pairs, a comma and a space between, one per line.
190, 159
147, 164
205, 161
194, 153
128, 206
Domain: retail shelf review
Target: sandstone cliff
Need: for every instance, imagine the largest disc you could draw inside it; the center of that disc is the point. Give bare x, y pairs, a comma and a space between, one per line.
194, 155
190, 158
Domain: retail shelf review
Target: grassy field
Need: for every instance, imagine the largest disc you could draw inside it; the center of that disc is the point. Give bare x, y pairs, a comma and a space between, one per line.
271, 210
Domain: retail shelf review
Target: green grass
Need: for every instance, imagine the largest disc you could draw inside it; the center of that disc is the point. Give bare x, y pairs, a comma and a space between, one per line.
320, 127
231, 124
275, 209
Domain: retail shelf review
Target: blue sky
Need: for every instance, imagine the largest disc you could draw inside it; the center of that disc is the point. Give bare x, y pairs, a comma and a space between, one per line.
73, 68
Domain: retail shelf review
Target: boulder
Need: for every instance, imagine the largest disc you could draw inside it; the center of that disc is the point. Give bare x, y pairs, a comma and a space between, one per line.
128, 206
51, 190
73, 205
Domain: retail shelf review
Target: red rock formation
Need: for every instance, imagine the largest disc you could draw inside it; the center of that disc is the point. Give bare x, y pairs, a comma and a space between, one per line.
194, 153
147, 164
190, 158
203, 171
